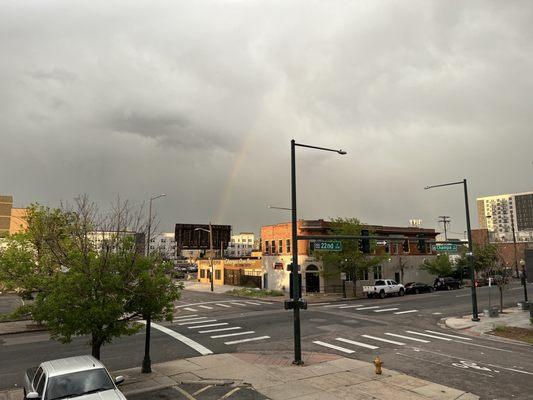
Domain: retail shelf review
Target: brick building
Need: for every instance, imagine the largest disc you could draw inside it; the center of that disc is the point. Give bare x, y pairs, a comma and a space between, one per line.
12, 219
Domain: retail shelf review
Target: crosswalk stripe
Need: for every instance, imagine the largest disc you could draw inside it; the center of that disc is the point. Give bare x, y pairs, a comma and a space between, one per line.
318, 304
197, 322
247, 340
356, 306
264, 302
207, 326
368, 346
221, 329
253, 303
407, 337
387, 309
383, 340
184, 339
223, 305
185, 316
189, 309
431, 336
446, 334
335, 305
332, 346
206, 307
366, 308
406, 312
232, 334
238, 304
189, 319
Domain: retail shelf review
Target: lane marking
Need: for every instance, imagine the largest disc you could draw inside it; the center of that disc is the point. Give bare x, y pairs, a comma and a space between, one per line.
387, 309
189, 319
405, 312
207, 326
190, 309
185, 316
223, 305
197, 322
264, 302
318, 304
486, 347
368, 346
407, 337
355, 306
206, 307
335, 305
227, 395
202, 390
232, 334
383, 340
437, 313
431, 336
253, 303
247, 340
238, 304
446, 334
183, 339
367, 308
221, 329
332, 346
183, 392
442, 364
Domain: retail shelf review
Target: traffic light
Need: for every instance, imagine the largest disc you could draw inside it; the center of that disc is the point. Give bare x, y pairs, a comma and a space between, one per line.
364, 244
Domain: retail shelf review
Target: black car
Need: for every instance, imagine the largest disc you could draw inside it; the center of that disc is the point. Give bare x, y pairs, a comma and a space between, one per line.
447, 283
418, 287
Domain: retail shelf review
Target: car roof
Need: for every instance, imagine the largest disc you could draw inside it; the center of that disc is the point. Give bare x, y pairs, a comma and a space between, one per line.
70, 364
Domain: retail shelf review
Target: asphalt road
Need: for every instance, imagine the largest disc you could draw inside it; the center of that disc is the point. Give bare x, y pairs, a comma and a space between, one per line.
403, 331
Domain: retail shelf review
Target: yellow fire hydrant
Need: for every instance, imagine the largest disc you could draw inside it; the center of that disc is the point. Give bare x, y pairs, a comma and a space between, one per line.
378, 363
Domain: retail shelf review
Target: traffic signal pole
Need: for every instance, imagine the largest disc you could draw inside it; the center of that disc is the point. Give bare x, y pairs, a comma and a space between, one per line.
475, 316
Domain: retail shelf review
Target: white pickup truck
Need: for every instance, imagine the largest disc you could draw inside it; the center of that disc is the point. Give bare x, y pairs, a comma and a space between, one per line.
384, 287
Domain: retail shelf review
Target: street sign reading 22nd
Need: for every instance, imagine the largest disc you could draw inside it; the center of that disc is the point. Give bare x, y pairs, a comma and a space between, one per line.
329, 245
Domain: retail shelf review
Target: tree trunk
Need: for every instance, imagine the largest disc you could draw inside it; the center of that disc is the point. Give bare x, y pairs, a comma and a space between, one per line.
95, 345
354, 286
501, 298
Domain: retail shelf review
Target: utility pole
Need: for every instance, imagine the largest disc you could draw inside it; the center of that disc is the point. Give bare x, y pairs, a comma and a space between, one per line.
515, 249
445, 219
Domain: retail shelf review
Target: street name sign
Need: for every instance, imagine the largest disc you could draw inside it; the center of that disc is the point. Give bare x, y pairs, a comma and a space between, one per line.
328, 245
451, 247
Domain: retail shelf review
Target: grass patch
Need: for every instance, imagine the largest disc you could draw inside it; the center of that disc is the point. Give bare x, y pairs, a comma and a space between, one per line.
251, 292
512, 332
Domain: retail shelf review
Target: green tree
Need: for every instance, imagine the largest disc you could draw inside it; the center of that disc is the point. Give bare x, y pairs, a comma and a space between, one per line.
84, 288
350, 260
440, 266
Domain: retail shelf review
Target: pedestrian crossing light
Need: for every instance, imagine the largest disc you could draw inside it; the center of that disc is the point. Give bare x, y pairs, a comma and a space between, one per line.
364, 244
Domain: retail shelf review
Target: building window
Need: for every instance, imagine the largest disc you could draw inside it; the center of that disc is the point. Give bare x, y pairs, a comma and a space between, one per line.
202, 273
267, 247
281, 246
288, 246
362, 275
273, 247
377, 272
217, 274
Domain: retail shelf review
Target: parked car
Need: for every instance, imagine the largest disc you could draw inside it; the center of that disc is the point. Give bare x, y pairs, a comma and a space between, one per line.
384, 287
447, 283
71, 377
418, 287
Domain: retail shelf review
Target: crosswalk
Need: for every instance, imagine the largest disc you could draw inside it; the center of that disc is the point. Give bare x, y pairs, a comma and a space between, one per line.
368, 309
375, 341
221, 305
222, 330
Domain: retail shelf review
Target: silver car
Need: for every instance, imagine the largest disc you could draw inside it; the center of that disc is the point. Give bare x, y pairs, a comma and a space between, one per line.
82, 377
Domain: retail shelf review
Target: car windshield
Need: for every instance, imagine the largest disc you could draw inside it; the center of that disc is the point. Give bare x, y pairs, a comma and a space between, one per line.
78, 384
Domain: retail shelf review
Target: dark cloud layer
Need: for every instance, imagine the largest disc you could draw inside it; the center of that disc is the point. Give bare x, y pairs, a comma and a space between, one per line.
199, 99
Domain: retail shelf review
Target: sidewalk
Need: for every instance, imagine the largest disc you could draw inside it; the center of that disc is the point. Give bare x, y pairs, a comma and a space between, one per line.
8, 328
511, 317
324, 377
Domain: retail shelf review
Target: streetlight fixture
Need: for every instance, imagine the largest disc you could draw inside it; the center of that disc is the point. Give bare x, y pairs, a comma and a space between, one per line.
524, 278
279, 208
295, 303
210, 232
147, 362
470, 253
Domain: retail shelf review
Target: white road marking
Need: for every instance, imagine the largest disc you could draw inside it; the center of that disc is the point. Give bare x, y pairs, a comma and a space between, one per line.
223, 305
247, 340
197, 322
232, 334
318, 304
190, 309
189, 319
431, 336
238, 304
253, 303
221, 329
383, 340
335, 305
264, 302
487, 347
207, 326
367, 308
368, 346
387, 309
405, 312
437, 313
202, 390
206, 307
186, 316
446, 334
332, 346
184, 339
407, 337
464, 295
356, 306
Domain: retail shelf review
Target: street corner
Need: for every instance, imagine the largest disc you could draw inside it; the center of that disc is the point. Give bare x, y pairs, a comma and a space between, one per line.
202, 390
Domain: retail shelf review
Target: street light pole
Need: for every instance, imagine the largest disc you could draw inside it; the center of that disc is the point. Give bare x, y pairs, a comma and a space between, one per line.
470, 254
147, 362
296, 303
210, 232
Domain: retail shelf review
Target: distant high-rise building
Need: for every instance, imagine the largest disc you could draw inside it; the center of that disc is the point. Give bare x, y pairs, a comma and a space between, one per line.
241, 245
12, 219
502, 214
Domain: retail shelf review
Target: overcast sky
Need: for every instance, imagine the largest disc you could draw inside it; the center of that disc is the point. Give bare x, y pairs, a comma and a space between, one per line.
199, 99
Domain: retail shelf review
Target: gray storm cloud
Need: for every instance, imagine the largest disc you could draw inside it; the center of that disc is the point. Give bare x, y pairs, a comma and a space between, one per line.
199, 99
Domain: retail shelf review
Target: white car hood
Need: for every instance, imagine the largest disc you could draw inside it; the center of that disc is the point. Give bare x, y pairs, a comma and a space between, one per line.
112, 394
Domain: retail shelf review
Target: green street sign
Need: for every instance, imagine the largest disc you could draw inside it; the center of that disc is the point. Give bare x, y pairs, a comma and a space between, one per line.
451, 247
328, 245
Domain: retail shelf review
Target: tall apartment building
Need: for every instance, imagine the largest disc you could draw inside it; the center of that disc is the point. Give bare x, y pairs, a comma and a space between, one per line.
12, 219
166, 245
241, 245
502, 214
